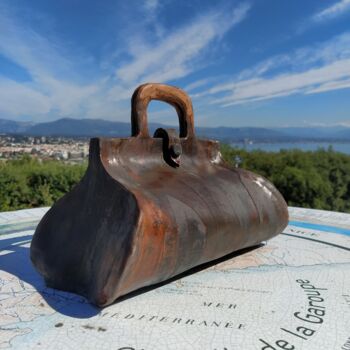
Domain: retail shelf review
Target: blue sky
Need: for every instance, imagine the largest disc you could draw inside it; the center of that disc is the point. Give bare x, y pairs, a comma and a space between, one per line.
244, 63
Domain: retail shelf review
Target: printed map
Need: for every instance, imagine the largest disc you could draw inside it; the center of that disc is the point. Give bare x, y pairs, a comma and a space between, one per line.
291, 293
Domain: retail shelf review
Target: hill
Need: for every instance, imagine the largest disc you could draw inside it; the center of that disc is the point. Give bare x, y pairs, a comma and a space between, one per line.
322, 132
98, 127
10, 126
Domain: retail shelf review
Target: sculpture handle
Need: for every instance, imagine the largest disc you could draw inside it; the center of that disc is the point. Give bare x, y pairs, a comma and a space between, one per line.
166, 93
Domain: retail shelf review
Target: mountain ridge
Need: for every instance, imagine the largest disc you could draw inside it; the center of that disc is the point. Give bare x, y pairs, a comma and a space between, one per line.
71, 127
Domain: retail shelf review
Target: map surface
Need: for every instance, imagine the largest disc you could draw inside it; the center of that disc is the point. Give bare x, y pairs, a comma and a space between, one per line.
291, 293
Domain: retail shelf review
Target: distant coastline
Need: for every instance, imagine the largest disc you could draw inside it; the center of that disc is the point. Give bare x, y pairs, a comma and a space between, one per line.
69, 127
337, 146
248, 138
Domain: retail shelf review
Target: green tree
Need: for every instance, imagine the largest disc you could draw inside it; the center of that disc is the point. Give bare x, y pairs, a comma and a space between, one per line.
27, 182
319, 179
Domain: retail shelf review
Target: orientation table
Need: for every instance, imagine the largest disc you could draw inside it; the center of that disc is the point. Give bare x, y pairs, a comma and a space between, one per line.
292, 292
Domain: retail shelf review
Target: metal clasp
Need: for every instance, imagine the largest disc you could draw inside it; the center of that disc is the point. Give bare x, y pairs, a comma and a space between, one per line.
172, 149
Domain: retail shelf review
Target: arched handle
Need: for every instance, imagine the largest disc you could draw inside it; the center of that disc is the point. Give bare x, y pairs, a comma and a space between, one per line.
170, 94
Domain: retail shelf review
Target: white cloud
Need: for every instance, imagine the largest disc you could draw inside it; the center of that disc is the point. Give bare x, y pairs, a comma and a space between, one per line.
333, 85
332, 11
286, 84
173, 56
30, 50
196, 84
59, 87
317, 69
151, 9
52, 89
151, 5
21, 99
341, 123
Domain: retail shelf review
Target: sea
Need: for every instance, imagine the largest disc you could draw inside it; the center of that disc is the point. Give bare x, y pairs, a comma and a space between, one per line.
307, 146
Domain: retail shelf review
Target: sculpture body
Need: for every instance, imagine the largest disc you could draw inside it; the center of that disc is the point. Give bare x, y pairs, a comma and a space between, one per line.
149, 208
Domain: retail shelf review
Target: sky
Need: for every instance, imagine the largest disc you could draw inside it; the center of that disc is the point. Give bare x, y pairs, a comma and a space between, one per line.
271, 63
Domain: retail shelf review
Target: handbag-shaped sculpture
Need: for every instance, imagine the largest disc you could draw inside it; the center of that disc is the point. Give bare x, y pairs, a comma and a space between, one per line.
149, 208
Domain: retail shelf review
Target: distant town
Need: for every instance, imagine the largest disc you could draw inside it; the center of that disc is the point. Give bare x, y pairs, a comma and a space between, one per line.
67, 139
70, 150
